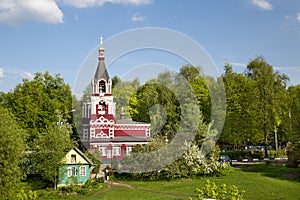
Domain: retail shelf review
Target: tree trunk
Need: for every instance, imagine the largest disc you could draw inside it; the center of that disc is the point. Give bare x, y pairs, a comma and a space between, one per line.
266, 140
275, 138
55, 182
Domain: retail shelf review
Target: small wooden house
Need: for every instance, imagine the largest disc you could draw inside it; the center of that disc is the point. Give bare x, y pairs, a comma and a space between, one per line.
77, 168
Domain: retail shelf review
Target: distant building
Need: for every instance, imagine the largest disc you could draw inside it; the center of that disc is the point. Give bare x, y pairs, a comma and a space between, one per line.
77, 169
100, 128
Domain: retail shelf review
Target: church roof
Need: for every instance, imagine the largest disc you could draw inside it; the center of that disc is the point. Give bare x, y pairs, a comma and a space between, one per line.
128, 121
121, 139
101, 72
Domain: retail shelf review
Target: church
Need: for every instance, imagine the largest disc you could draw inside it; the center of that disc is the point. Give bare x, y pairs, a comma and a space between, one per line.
101, 130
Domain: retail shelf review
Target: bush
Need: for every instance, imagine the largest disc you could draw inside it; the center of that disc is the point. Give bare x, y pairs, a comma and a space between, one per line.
211, 190
277, 154
64, 191
293, 153
27, 195
245, 154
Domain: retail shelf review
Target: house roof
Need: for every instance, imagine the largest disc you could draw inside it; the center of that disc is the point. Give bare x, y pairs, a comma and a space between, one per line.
129, 121
121, 139
82, 155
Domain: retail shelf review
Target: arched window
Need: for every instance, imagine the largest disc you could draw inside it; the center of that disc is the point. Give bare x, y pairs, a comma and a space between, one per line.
102, 86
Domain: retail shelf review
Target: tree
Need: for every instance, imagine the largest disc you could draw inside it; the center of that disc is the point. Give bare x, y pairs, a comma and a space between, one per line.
267, 88
39, 102
154, 99
50, 148
190, 72
122, 92
293, 125
202, 93
294, 112
11, 150
240, 123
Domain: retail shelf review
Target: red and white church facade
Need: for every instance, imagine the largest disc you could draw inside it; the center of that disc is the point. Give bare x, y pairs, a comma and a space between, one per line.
101, 130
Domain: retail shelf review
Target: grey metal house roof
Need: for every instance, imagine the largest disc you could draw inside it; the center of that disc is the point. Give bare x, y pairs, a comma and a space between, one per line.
128, 121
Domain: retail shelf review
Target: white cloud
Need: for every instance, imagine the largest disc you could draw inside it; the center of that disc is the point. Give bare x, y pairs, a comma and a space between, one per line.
14, 12
137, 17
236, 64
288, 68
92, 3
298, 17
10, 78
1, 74
262, 4
27, 75
18, 11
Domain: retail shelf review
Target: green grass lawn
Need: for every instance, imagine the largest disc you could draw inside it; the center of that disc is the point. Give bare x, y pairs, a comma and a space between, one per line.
260, 181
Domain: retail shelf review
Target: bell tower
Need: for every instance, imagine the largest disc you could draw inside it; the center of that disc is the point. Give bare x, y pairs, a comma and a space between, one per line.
102, 100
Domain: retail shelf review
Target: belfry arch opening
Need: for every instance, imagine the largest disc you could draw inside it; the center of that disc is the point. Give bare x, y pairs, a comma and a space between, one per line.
102, 86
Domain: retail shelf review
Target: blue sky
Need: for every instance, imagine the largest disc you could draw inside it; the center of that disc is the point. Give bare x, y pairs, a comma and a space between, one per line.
58, 35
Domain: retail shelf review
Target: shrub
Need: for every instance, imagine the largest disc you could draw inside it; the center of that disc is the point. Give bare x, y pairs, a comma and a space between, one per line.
26, 195
277, 154
245, 154
211, 190
293, 153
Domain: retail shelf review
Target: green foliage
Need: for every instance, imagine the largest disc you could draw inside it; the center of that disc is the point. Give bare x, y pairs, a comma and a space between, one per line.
293, 119
192, 163
256, 105
240, 123
38, 103
50, 148
277, 154
199, 86
165, 101
293, 153
27, 195
198, 164
244, 154
153, 94
11, 149
71, 191
211, 190
95, 157
254, 154
122, 92
269, 87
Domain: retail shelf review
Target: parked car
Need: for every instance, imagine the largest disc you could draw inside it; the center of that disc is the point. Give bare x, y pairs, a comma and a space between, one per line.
225, 158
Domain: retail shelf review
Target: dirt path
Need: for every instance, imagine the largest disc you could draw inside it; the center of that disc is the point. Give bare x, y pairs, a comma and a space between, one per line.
111, 184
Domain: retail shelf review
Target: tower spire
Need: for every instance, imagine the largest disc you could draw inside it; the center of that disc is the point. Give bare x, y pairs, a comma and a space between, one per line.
101, 49
101, 72
101, 40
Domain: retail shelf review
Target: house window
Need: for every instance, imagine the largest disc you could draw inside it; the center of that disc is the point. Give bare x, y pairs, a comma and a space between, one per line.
71, 171
103, 150
73, 158
82, 171
129, 150
117, 151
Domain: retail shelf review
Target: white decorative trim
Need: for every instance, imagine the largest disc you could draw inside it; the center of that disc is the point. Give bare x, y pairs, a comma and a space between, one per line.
111, 132
101, 121
101, 135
